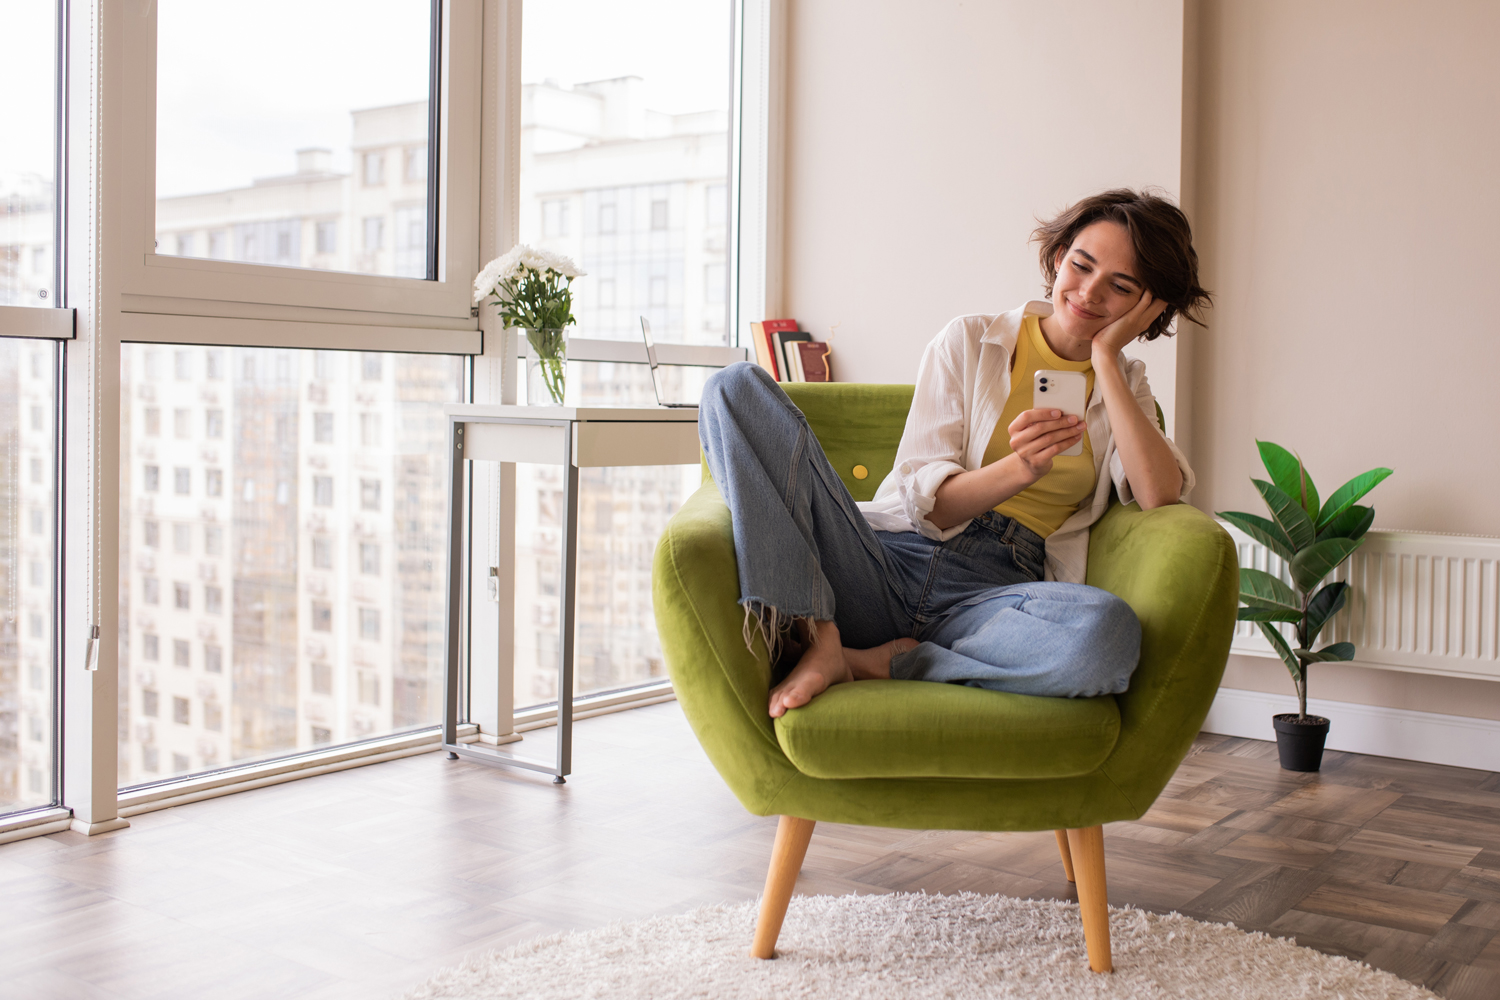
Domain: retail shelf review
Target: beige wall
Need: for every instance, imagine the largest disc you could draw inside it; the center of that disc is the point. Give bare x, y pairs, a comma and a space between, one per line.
1342, 164
923, 140
1347, 212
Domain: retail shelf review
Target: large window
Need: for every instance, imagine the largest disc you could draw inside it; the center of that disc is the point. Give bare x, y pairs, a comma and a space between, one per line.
249, 409
29, 287
625, 160
303, 142
281, 585
28, 556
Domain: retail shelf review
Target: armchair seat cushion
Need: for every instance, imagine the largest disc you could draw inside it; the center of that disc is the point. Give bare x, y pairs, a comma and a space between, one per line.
920, 729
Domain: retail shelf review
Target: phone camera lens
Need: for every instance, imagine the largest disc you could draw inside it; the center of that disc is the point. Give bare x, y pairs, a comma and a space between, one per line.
1044, 388
1043, 381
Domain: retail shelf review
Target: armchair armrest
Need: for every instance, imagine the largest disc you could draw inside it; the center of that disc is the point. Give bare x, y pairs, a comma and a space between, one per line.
1180, 573
721, 685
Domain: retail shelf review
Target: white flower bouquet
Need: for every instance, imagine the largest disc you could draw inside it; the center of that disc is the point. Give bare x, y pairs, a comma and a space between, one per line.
533, 289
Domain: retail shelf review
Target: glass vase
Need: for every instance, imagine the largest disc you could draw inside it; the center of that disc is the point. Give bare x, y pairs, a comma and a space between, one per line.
546, 366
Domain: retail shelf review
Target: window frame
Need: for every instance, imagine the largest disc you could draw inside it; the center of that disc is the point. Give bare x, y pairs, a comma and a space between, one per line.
752, 271
169, 299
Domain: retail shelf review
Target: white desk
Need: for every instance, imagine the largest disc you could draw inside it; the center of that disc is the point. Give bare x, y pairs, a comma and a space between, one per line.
574, 437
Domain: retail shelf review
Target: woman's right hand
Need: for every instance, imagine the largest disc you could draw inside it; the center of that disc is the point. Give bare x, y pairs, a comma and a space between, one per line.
1036, 436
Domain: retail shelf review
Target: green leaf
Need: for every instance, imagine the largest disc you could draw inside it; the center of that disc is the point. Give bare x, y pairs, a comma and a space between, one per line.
1268, 533
1325, 604
1313, 563
1258, 588
1284, 651
1334, 652
1287, 513
1352, 523
1290, 476
1343, 498
1253, 614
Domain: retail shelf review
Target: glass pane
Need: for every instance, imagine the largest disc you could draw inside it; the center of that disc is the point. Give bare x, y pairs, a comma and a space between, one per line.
302, 144
625, 160
28, 153
621, 514
281, 553
28, 555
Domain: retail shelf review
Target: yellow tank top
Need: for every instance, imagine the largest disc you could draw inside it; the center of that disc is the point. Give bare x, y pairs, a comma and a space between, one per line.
1047, 503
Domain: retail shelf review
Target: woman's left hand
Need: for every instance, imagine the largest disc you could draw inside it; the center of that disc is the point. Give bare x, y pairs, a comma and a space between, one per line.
1113, 338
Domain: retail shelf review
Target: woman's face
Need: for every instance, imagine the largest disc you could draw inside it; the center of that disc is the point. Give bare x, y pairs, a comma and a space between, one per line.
1096, 281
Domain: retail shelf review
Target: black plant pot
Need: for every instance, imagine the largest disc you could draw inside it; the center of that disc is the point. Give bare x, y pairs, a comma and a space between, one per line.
1300, 741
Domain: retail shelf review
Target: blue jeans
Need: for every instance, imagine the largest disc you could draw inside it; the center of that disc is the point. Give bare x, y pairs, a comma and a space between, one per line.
978, 604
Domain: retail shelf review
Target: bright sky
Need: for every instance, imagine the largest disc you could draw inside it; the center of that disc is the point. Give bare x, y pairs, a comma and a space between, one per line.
27, 43
240, 88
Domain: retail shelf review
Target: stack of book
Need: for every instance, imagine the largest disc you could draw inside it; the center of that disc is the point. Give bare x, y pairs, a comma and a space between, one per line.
789, 354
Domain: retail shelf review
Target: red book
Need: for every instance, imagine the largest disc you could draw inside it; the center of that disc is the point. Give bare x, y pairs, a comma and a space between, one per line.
765, 353
817, 363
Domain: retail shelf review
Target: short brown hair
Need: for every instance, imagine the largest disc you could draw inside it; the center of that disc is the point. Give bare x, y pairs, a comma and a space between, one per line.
1163, 243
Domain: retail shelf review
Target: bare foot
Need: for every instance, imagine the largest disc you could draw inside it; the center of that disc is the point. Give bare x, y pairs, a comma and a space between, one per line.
821, 666
875, 663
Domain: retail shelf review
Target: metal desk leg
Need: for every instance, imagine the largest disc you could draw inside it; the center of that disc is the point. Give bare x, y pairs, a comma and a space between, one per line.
568, 591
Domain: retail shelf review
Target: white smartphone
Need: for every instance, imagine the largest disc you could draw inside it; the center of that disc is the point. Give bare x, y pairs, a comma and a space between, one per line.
1054, 390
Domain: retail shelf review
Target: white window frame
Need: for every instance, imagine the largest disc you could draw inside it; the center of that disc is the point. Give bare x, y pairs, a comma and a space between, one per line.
757, 164
169, 299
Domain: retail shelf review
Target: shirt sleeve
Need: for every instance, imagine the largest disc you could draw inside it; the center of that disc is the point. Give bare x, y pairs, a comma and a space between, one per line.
932, 445
1136, 376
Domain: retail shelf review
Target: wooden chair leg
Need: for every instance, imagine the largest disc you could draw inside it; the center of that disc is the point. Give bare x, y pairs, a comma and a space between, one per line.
1087, 849
1067, 855
792, 836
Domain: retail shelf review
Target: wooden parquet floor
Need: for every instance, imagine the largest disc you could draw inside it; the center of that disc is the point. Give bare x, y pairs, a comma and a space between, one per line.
364, 882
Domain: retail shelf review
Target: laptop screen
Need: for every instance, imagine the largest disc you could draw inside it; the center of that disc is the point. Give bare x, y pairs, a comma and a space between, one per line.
656, 373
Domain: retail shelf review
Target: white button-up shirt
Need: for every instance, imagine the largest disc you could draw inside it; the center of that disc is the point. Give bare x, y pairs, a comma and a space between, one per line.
961, 389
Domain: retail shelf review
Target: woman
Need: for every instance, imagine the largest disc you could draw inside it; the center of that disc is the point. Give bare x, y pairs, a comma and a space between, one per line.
968, 565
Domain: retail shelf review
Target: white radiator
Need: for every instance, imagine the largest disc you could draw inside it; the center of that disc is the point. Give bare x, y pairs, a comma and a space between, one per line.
1418, 601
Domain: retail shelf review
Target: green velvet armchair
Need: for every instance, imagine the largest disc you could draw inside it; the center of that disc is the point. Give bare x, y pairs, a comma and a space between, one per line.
919, 755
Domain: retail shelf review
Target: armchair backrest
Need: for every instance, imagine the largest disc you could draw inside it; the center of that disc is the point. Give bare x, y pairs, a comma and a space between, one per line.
858, 424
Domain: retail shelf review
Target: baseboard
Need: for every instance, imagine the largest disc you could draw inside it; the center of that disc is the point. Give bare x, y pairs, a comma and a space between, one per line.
1455, 740
103, 826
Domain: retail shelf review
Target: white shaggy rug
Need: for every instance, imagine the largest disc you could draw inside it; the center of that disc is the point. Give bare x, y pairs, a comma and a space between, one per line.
909, 946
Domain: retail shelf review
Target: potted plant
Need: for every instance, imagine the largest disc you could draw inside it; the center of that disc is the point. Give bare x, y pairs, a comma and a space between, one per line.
1313, 540
533, 289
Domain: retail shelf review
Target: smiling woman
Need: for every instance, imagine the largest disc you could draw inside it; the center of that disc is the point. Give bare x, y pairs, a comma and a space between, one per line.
968, 565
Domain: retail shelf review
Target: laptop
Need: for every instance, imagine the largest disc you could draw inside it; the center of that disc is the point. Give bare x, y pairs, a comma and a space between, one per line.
656, 374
